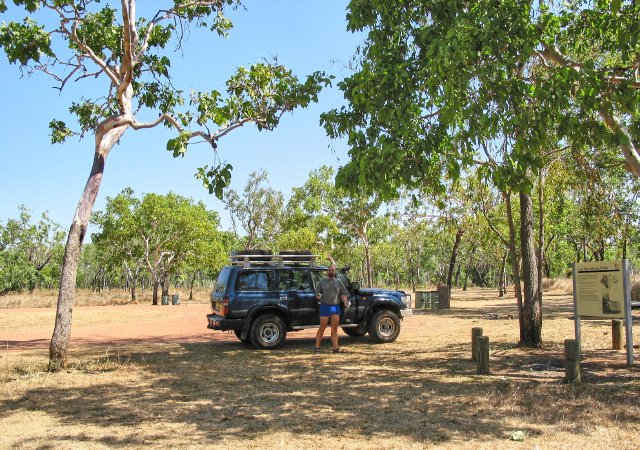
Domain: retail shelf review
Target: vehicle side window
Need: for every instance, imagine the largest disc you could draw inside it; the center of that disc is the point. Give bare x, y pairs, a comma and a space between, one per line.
317, 276
255, 280
294, 280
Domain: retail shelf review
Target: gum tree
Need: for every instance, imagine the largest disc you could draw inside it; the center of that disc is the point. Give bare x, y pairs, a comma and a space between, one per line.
437, 80
257, 211
106, 42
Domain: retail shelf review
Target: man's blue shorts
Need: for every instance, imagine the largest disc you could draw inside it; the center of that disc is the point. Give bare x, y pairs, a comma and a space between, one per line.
329, 310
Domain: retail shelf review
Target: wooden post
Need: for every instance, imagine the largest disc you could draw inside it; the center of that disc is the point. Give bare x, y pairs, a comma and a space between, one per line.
475, 332
444, 297
482, 343
616, 334
571, 361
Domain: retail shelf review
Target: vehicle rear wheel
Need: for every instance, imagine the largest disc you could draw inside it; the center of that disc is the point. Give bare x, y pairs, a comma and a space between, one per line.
358, 331
267, 331
238, 334
384, 326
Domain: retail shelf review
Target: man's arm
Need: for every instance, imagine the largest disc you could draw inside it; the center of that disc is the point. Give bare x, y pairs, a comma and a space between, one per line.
344, 294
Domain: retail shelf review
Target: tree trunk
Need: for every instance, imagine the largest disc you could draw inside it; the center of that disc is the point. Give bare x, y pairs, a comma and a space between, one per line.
532, 303
454, 255
156, 284
105, 140
134, 283
367, 258
165, 285
515, 259
540, 254
502, 288
193, 280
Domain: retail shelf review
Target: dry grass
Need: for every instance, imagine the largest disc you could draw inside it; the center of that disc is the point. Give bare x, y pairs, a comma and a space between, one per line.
421, 391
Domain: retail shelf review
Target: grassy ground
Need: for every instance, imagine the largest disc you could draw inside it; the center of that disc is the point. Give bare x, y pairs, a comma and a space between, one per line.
421, 391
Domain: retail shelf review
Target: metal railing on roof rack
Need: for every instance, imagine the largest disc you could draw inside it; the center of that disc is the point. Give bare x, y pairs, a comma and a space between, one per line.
248, 260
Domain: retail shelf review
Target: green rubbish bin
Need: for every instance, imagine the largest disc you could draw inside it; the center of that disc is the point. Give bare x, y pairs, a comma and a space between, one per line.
164, 300
175, 299
426, 300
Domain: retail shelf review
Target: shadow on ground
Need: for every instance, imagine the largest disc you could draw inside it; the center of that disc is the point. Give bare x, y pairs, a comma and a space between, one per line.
227, 391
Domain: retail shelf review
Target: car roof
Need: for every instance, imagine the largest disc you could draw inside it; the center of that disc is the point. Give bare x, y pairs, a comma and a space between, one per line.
277, 266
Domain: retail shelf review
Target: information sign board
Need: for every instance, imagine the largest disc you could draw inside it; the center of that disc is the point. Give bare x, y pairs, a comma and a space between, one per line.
600, 289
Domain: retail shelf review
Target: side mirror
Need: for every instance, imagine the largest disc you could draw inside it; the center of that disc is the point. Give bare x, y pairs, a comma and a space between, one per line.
355, 285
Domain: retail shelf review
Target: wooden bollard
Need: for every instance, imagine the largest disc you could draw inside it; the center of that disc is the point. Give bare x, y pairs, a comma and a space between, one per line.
482, 356
571, 361
475, 332
444, 297
616, 334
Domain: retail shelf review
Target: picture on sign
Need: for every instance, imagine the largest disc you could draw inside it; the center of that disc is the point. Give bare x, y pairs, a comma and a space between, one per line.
600, 289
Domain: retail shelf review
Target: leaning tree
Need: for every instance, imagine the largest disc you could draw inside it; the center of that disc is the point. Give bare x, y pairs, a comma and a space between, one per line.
79, 40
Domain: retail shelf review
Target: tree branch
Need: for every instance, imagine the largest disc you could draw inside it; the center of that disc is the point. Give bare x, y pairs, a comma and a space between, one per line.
167, 14
629, 150
554, 55
72, 35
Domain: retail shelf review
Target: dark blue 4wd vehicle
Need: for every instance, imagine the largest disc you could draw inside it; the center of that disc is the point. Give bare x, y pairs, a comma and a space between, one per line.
261, 298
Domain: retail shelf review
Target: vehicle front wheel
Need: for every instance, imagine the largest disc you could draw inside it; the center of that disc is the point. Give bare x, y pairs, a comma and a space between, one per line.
384, 326
358, 331
267, 332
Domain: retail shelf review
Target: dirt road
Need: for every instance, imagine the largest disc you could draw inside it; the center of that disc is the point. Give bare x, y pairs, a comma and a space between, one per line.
26, 328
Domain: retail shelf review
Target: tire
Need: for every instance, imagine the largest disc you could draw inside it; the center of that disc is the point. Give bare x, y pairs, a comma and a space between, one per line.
238, 333
358, 331
267, 332
384, 326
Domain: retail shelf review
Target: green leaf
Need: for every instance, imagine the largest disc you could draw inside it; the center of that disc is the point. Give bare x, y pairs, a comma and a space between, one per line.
59, 131
216, 179
25, 42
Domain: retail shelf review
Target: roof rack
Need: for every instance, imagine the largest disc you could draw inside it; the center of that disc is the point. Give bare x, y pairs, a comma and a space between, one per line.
257, 259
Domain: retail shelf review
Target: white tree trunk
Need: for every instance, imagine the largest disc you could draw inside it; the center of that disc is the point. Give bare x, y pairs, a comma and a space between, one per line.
62, 330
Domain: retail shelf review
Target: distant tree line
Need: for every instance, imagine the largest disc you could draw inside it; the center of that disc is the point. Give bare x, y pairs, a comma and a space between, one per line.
459, 238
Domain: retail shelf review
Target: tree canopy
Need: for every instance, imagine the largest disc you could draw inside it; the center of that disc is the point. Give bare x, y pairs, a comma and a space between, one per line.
438, 79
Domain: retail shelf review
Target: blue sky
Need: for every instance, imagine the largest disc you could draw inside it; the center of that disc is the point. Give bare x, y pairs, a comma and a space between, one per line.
305, 35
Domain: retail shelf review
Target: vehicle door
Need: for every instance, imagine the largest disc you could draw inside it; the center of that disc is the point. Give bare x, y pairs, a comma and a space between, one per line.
355, 309
295, 287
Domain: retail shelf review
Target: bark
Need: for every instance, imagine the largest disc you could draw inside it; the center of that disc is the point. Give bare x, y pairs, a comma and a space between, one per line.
165, 285
457, 277
367, 255
105, 140
629, 150
532, 307
156, 284
454, 255
134, 283
540, 254
515, 262
193, 280
502, 288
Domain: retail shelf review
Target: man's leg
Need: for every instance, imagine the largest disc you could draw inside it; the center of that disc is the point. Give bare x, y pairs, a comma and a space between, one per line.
324, 320
335, 320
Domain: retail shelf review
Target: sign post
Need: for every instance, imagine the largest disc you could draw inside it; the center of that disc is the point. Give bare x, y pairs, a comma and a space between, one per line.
601, 289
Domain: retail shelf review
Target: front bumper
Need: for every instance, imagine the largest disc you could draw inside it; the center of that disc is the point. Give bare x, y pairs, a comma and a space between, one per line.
216, 322
406, 312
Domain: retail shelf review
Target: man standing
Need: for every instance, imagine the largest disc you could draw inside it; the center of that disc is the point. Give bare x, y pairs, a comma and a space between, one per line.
329, 291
